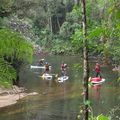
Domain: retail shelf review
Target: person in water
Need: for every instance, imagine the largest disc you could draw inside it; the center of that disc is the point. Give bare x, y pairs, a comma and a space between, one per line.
63, 68
98, 70
47, 68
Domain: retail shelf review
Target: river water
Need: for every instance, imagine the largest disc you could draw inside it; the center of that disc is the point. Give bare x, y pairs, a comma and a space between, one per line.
61, 101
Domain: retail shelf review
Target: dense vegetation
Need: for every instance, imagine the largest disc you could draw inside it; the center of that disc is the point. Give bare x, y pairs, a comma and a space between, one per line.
56, 26
14, 50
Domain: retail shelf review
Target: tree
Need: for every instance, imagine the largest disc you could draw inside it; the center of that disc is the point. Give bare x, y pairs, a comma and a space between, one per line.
5, 7
85, 58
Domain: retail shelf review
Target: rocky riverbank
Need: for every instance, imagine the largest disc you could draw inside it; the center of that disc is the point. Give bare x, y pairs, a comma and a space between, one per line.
12, 95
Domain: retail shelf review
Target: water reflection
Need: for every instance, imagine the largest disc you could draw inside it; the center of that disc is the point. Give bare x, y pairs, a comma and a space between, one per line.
96, 91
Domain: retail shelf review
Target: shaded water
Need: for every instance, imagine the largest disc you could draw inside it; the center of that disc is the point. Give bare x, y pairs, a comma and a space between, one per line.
61, 101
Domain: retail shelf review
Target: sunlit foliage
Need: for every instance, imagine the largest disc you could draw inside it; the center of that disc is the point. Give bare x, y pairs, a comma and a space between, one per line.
14, 50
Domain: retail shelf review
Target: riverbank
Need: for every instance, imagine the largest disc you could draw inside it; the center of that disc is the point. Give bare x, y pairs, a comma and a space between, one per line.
12, 95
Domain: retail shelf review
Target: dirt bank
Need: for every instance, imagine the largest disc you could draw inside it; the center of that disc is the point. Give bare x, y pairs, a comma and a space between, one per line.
12, 95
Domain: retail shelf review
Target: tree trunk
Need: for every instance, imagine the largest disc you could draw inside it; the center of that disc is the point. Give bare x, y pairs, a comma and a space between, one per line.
85, 58
50, 25
58, 23
17, 65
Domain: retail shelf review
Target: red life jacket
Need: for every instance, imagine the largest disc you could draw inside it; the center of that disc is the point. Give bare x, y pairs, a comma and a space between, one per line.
63, 67
97, 68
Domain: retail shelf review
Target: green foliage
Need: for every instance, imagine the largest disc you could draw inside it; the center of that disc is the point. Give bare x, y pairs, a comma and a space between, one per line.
53, 16
71, 23
102, 117
77, 40
6, 4
95, 32
7, 73
65, 30
91, 116
93, 36
87, 102
14, 49
115, 45
74, 16
55, 43
6, 7
118, 79
45, 37
12, 45
61, 47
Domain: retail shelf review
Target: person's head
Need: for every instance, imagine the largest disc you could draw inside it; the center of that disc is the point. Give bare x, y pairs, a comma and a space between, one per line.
46, 63
97, 64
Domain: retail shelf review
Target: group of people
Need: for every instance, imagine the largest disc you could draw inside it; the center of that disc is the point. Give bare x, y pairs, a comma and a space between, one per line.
47, 67
64, 68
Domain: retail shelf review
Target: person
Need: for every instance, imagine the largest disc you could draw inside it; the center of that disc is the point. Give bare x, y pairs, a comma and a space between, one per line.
41, 62
63, 68
47, 68
98, 70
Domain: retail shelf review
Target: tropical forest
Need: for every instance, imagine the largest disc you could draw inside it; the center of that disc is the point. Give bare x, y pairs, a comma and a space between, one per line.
59, 60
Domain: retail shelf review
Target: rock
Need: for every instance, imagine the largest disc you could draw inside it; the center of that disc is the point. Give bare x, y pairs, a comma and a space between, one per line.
10, 96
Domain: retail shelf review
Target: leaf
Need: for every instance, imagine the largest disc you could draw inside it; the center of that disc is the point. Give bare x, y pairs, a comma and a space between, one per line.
87, 102
102, 117
95, 33
7, 73
13, 45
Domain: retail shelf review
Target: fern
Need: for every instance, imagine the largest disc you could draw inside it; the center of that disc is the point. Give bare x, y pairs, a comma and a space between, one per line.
7, 73
12, 45
14, 49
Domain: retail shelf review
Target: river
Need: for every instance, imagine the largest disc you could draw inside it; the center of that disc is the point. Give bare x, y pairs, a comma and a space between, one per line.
61, 101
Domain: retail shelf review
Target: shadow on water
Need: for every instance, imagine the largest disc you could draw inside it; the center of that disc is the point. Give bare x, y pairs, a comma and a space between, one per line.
60, 101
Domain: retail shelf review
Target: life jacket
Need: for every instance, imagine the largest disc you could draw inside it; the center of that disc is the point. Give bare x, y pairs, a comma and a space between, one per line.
47, 67
63, 67
97, 68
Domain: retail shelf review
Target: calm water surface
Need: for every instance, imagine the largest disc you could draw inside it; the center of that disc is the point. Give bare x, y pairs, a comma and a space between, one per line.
61, 101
